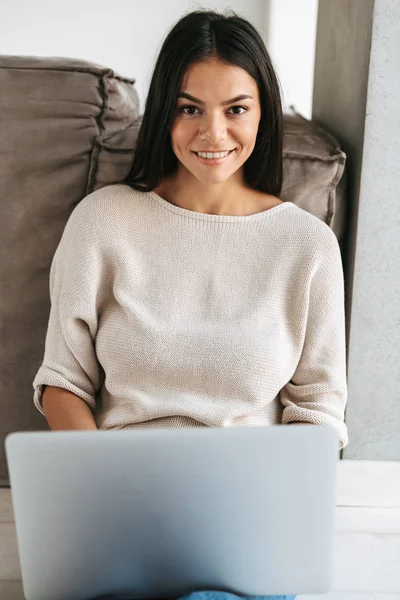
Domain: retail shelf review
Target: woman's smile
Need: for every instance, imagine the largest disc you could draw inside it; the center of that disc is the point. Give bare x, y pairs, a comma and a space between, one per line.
213, 159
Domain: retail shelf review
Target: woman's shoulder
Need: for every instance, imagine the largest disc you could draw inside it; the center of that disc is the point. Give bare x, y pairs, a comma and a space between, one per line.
105, 206
300, 219
309, 222
308, 237
96, 215
101, 197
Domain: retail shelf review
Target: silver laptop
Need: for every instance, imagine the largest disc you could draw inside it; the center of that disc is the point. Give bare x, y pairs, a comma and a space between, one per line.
159, 513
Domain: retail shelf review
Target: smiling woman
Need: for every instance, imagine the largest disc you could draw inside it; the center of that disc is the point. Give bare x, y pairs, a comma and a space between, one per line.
190, 295
211, 134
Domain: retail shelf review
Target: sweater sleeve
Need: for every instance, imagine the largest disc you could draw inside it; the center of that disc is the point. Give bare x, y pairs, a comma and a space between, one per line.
317, 391
70, 360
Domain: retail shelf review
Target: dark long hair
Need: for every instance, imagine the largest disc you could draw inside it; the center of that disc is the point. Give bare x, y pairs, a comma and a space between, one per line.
197, 36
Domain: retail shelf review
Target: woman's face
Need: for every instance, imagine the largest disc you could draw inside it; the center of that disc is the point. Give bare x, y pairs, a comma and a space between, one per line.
218, 110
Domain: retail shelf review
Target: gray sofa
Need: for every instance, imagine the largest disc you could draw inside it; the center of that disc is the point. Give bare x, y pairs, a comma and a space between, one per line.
69, 127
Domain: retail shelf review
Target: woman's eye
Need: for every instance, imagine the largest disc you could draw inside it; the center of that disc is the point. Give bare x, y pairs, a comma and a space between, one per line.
241, 108
187, 109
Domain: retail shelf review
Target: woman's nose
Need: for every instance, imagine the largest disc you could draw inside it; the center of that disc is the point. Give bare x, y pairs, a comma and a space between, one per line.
213, 129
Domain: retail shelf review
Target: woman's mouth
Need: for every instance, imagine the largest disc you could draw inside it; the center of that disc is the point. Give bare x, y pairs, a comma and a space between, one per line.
213, 158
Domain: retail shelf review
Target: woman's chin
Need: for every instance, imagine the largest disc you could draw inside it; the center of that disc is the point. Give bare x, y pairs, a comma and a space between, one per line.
211, 178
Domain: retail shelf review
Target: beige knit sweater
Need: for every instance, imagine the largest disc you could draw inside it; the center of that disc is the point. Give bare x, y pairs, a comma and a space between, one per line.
166, 317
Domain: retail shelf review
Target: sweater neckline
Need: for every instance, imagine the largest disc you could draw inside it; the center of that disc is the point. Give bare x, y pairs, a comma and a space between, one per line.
184, 212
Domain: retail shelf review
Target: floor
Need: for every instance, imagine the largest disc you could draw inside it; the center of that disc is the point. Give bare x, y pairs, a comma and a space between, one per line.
367, 536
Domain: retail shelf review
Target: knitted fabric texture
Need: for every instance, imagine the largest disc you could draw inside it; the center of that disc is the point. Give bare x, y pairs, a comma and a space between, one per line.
166, 317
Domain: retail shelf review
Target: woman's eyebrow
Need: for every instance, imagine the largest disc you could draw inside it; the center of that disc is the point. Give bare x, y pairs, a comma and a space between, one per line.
236, 99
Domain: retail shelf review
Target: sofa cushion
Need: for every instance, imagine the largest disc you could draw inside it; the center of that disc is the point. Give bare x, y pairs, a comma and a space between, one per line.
53, 112
314, 175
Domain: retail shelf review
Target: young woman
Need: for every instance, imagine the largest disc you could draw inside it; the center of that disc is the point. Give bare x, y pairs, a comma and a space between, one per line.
190, 295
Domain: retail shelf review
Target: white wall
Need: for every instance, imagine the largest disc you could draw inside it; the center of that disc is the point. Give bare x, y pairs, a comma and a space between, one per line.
127, 34
290, 33
122, 34
373, 412
357, 99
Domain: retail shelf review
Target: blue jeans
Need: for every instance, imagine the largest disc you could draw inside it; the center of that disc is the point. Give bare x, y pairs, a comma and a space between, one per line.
214, 595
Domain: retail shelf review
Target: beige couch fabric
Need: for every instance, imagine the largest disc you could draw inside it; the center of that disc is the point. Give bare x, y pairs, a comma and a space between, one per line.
53, 112
69, 127
313, 172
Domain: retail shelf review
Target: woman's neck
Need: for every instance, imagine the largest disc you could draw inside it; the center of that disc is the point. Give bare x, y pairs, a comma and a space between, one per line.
231, 197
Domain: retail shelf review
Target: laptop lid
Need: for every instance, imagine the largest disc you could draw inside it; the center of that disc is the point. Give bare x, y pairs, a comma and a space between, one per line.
151, 513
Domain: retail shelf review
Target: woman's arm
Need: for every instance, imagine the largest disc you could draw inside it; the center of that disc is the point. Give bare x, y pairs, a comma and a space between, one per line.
65, 411
317, 391
70, 366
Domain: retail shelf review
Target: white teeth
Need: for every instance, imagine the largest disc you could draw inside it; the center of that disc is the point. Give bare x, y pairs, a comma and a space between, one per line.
213, 154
